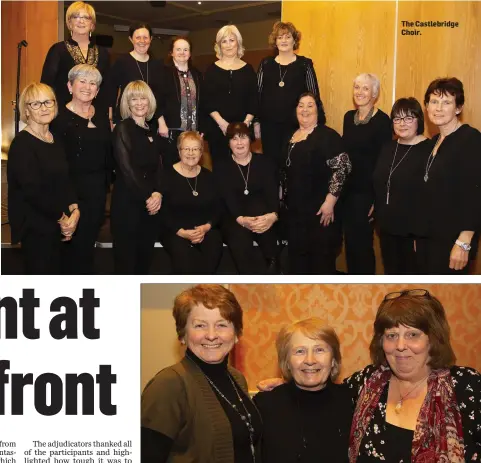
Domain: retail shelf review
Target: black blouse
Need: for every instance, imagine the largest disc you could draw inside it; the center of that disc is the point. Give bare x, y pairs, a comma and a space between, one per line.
315, 167
261, 185
62, 57
232, 93
88, 151
363, 143
450, 200
397, 216
276, 103
180, 208
39, 188
305, 426
379, 437
138, 161
126, 69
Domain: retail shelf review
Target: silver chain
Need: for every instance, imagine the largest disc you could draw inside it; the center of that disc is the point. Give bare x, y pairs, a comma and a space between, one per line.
391, 170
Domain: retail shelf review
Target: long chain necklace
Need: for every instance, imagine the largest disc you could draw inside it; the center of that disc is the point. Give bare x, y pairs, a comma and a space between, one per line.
194, 190
393, 168
138, 67
47, 139
368, 117
246, 180
399, 405
281, 76
89, 117
293, 143
246, 418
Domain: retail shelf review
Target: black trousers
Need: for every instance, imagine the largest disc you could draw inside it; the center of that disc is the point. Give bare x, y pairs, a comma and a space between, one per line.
78, 253
432, 256
194, 259
358, 234
398, 254
274, 135
240, 243
218, 144
312, 248
42, 252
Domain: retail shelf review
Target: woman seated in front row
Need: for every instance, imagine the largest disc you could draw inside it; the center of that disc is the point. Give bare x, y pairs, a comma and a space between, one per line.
247, 185
308, 418
190, 211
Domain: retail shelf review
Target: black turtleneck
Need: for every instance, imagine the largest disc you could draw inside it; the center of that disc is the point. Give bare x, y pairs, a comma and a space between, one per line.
303, 426
219, 375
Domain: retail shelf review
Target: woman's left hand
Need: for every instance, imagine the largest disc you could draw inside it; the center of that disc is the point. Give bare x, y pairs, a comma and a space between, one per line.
326, 211
264, 222
202, 230
153, 203
458, 258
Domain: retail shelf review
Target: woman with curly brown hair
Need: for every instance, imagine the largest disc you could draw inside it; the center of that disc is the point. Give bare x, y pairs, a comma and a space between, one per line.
281, 79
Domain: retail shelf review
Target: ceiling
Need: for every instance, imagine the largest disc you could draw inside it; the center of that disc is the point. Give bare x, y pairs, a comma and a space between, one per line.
186, 15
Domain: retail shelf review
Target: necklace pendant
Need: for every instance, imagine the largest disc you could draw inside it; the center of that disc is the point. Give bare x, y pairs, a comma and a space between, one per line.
426, 177
246, 191
195, 193
398, 407
281, 83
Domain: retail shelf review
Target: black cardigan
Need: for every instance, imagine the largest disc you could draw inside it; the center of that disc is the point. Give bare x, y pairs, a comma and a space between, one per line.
169, 98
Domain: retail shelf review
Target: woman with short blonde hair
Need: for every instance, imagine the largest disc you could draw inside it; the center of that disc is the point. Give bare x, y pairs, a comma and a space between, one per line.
230, 91
79, 48
136, 197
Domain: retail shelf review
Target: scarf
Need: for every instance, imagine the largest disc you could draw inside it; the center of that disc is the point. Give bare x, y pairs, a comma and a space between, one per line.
438, 436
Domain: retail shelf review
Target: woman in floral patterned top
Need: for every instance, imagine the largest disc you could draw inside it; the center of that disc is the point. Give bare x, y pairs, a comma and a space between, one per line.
412, 404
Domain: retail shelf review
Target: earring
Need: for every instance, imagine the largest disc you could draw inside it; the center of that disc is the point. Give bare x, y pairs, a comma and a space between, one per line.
90, 34
182, 341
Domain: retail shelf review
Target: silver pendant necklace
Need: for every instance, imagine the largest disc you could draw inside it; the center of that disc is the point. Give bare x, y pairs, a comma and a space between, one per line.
431, 159
194, 190
246, 179
400, 402
393, 168
288, 160
89, 117
138, 67
281, 76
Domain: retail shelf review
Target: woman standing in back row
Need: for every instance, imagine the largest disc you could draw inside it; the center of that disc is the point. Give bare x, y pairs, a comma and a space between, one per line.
281, 80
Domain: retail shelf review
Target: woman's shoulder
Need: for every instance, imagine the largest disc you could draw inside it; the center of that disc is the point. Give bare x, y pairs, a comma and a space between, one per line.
268, 399
381, 116
470, 132
463, 376
304, 60
359, 378
349, 115
21, 140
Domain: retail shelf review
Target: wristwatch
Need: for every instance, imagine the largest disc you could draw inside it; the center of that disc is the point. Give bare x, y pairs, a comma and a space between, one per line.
463, 246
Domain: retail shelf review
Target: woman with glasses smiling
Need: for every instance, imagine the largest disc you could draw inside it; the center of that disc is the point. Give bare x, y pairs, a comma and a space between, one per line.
42, 206
190, 211
397, 186
77, 49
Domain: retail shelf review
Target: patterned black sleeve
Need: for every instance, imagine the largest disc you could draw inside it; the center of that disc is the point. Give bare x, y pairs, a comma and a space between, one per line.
467, 384
341, 167
357, 380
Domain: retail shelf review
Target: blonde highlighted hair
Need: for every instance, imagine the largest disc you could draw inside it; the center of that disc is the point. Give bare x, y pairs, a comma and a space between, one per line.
224, 32
137, 89
190, 136
313, 328
32, 93
76, 7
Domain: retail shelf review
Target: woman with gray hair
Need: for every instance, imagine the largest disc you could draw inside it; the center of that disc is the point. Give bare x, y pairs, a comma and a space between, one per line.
85, 134
307, 418
230, 90
366, 129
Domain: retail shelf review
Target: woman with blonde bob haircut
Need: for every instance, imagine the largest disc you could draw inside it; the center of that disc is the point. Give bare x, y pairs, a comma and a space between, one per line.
80, 48
307, 418
42, 204
191, 211
230, 91
136, 197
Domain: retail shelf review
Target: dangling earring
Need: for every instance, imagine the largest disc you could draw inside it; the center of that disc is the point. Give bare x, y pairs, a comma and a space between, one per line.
90, 34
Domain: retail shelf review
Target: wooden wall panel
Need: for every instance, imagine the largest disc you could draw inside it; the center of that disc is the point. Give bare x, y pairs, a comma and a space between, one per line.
345, 39
350, 309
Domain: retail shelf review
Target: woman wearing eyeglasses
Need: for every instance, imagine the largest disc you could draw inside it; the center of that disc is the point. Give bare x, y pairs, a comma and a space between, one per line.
80, 48
397, 186
42, 207
190, 211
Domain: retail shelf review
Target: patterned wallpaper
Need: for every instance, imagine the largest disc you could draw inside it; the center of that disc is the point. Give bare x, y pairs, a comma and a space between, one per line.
350, 309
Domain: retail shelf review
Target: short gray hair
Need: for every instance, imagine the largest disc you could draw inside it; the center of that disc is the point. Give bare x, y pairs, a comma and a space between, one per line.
225, 31
85, 71
375, 83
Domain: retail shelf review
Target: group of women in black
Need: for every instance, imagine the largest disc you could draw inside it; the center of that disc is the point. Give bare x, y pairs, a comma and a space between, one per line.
321, 186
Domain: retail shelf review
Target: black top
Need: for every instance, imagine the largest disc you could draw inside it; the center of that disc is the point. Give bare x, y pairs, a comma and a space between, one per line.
138, 160
39, 188
305, 426
318, 165
88, 151
261, 185
127, 69
180, 208
363, 144
450, 201
170, 101
60, 60
279, 103
232, 93
398, 216
378, 437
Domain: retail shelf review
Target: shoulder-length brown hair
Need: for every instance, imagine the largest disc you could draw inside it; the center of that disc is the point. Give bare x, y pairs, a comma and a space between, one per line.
426, 313
280, 28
